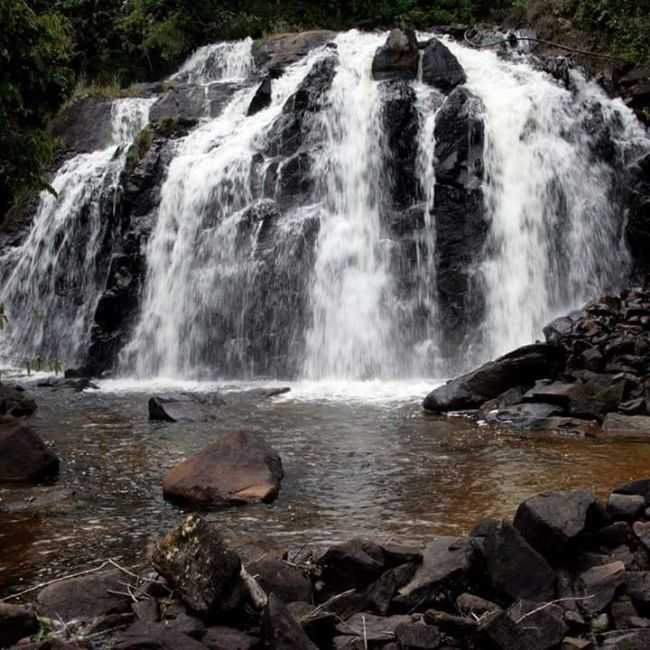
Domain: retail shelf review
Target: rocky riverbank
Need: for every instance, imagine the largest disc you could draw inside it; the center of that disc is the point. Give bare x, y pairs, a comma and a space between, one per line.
570, 572
591, 376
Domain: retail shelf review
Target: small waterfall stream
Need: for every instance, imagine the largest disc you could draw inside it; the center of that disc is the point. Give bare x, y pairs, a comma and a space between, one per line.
279, 246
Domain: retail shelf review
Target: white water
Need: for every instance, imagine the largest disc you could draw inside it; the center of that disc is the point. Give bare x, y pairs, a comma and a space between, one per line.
51, 283
209, 305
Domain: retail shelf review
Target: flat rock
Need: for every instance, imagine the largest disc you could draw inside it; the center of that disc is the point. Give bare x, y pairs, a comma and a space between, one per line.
352, 565
440, 68
515, 568
241, 468
640, 487
618, 424
446, 562
196, 563
85, 598
630, 640
24, 458
378, 597
155, 636
472, 604
598, 585
551, 520
277, 577
227, 638
276, 52
377, 628
418, 636
520, 367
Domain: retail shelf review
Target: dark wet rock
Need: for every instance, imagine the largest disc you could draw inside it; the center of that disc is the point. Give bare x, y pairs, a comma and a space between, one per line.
274, 53
440, 68
629, 640
640, 487
597, 586
454, 625
24, 457
398, 58
155, 636
642, 531
197, 564
616, 534
401, 127
85, 598
511, 397
523, 366
558, 393
445, 568
158, 412
84, 126
262, 98
550, 521
186, 624
277, 577
622, 610
241, 468
147, 610
461, 224
472, 604
514, 567
351, 565
192, 102
637, 586
16, 401
525, 625
281, 630
16, 623
625, 506
380, 594
418, 636
377, 628
523, 415
226, 638
618, 424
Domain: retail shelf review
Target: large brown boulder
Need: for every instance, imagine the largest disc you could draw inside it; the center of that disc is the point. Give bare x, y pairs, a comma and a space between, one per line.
23, 455
240, 468
198, 565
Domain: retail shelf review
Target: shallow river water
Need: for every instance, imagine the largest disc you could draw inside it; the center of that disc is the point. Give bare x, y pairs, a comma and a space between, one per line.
359, 459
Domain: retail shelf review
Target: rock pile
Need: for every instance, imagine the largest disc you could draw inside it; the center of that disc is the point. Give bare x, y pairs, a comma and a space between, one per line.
592, 375
569, 572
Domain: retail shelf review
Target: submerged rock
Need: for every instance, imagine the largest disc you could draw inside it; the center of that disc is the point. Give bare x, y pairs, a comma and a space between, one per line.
241, 468
440, 68
398, 58
521, 367
23, 455
196, 563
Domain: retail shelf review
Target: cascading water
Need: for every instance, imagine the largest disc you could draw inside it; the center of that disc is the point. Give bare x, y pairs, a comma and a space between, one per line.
303, 239
51, 283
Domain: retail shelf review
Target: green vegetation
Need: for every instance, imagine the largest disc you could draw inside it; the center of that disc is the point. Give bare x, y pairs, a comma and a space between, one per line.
54, 50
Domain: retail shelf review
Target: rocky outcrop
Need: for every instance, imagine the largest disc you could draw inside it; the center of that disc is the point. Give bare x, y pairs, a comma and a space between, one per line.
461, 223
262, 97
398, 58
519, 368
440, 68
240, 468
192, 101
274, 53
24, 457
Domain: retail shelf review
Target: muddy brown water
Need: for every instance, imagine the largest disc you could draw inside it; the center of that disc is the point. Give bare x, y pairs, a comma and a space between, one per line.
367, 464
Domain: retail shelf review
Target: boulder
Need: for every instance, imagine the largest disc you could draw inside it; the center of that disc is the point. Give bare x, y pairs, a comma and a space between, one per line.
241, 468
398, 58
352, 565
597, 586
281, 630
158, 412
625, 506
461, 222
550, 521
155, 636
440, 68
418, 636
16, 623
16, 401
622, 425
277, 577
198, 566
514, 567
274, 53
262, 98
226, 638
445, 568
521, 367
85, 598
23, 455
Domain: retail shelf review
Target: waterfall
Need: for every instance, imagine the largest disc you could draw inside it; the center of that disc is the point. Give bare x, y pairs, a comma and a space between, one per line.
303, 240
556, 228
51, 283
